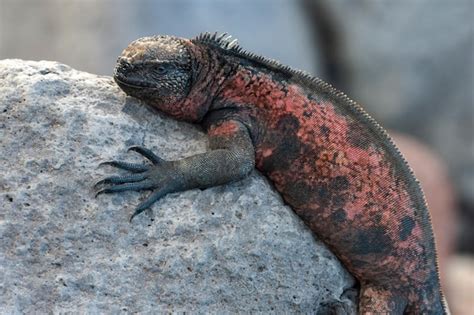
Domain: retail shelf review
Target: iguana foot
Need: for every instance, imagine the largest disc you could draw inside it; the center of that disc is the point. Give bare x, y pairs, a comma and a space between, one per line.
161, 177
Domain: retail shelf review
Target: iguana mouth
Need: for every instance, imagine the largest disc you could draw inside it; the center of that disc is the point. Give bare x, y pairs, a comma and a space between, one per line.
131, 84
122, 76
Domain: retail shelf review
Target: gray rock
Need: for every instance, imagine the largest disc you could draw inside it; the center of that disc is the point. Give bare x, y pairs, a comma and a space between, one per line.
227, 249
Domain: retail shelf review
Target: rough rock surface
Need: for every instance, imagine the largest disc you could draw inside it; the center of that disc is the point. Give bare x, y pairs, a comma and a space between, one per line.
233, 248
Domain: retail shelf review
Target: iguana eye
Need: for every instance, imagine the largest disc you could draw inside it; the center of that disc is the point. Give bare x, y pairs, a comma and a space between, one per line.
160, 69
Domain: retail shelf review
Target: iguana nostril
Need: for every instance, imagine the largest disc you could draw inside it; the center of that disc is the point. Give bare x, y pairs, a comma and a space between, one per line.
123, 66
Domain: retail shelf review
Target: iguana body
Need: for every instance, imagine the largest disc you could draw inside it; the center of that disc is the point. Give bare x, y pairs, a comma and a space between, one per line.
334, 165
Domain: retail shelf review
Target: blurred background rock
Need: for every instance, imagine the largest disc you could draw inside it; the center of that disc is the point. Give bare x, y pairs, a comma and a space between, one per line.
410, 63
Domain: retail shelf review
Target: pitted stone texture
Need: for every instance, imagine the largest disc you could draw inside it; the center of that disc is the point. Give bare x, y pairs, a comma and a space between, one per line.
233, 248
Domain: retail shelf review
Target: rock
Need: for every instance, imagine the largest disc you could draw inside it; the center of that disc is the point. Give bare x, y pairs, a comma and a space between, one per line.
233, 248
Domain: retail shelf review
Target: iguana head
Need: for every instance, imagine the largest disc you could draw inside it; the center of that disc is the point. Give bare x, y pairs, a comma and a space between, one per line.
159, 71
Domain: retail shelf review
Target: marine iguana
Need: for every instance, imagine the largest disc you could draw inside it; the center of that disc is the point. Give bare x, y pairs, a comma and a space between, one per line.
331, 162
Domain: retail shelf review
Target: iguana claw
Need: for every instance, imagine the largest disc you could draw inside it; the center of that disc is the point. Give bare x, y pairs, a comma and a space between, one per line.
122, 179
146, 153
132, 167
158, 177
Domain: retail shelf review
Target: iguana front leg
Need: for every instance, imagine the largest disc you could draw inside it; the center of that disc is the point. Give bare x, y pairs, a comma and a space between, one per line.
231, 158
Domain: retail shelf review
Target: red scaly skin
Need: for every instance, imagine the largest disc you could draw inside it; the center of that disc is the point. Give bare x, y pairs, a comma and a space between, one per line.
329, 173
330, 161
